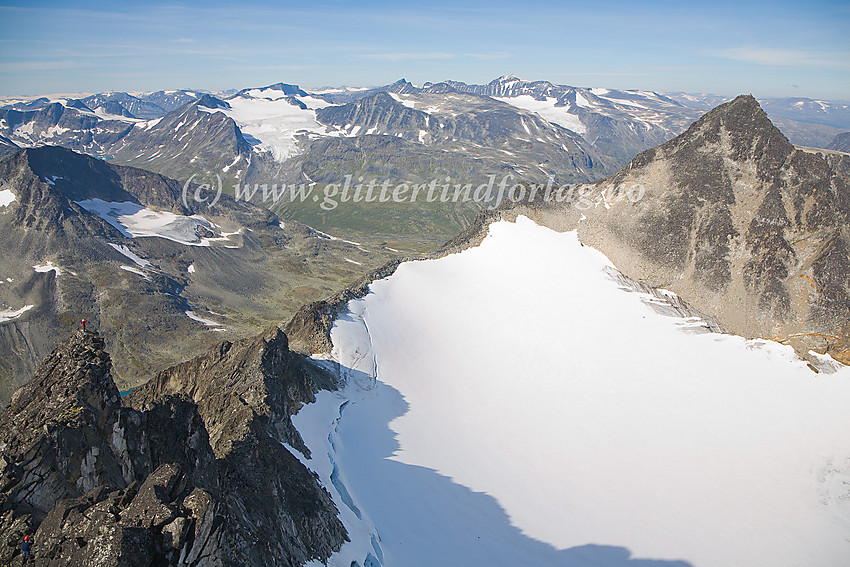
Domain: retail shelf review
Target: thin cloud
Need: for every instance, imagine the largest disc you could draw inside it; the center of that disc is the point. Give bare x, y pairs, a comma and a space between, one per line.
408, 56
488, 56
770, 57
23, 66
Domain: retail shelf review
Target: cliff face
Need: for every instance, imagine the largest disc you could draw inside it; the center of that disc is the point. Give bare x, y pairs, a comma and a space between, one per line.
245, 394
195, 474
735, 219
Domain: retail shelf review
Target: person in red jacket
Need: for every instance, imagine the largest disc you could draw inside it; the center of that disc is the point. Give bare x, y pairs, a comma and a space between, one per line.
83, 323
25, 549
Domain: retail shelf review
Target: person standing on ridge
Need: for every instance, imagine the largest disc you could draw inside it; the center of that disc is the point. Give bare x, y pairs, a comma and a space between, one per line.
25, 549
83, 323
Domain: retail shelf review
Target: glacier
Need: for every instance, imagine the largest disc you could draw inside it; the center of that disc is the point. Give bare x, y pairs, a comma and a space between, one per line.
513, 404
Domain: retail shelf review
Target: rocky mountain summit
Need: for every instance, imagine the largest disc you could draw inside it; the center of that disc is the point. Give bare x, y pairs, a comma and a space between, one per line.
735, 219
189, 470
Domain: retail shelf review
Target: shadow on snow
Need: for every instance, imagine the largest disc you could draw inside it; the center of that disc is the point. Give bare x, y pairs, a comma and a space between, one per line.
423, 517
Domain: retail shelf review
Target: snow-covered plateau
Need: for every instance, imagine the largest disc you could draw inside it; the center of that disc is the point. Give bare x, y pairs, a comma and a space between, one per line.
276, 123
512, 405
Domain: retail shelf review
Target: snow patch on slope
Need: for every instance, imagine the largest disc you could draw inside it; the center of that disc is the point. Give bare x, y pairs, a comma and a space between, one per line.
48, 266
547, 110
133, 220
10, 314
135, 270
123, 250
6, 197
208, 322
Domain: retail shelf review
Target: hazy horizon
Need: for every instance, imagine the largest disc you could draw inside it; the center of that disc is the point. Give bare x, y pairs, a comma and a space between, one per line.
769, 49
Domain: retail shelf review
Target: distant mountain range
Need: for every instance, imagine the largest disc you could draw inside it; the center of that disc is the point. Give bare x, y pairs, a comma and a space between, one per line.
617, 124
284, 134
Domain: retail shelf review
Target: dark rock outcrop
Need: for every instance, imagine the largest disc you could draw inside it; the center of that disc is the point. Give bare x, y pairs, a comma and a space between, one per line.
196, 473
245, 392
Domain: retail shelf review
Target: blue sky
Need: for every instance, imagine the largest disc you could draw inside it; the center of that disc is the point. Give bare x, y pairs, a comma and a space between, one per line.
764, 48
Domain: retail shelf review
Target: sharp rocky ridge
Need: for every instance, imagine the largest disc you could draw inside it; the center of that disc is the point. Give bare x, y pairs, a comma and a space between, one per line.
195, 468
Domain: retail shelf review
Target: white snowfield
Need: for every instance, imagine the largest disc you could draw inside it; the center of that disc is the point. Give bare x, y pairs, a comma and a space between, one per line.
6, 198
9, 314
273, 120
547, 110
133, 220
510, 405
47, 266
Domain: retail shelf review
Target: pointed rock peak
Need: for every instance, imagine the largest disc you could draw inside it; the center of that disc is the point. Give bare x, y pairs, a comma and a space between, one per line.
750, 132
209, 101
742, 112
401, 86
78, 104
506, 79
78, 373
744, 102
84, 344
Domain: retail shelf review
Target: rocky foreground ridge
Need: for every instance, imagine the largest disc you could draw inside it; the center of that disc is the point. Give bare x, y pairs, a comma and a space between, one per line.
190, 469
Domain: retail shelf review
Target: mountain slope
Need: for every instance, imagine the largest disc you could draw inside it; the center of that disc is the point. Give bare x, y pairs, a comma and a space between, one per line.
736, 220
135, 106
841, 143
82, 238
191, 140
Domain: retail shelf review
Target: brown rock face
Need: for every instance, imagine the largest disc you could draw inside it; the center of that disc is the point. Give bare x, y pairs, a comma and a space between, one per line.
736, 220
